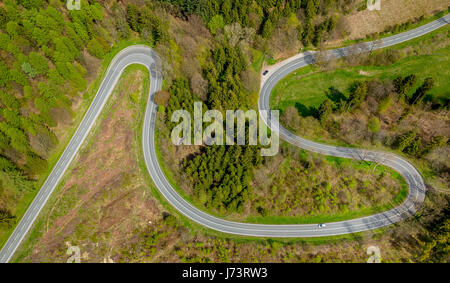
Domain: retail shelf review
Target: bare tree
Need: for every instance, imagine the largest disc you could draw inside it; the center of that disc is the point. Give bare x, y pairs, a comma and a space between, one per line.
321, 57
377, 43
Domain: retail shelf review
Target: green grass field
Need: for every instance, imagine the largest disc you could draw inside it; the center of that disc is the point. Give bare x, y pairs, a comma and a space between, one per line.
308, 88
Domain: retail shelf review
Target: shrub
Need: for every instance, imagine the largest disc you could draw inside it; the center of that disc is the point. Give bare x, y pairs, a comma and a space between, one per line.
95, 48
374, 125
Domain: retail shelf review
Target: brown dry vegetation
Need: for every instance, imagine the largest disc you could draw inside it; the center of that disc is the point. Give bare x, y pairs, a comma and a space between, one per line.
361, 23
297, 183
104, 199
191, 42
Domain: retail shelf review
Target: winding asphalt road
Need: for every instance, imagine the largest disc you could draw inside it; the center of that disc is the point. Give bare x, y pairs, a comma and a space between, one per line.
145, 56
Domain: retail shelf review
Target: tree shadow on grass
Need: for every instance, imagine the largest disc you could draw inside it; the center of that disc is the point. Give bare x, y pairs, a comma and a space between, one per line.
305, 111
335, 95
